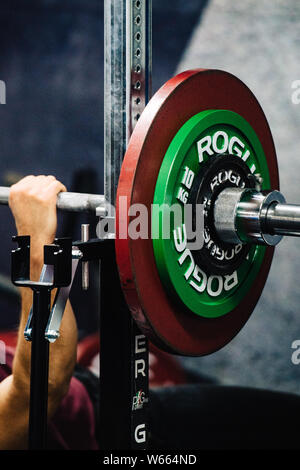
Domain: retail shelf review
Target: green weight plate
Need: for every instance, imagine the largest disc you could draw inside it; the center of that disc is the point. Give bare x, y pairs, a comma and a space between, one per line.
205, 135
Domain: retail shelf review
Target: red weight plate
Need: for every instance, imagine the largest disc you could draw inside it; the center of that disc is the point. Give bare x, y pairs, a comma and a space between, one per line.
156, 314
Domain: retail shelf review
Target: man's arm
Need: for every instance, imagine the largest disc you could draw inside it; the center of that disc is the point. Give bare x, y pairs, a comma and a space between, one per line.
33, 204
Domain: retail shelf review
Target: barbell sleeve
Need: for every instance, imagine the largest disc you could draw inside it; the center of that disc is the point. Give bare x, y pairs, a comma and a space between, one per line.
284, 219
72, 202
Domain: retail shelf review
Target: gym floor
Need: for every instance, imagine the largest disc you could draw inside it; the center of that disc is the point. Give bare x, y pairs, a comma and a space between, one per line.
52, 63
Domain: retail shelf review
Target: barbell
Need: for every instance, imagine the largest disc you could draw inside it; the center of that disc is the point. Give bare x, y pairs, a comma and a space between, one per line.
203, 139
67, 201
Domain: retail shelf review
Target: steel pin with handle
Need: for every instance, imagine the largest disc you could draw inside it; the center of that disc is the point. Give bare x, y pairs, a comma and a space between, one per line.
85, 235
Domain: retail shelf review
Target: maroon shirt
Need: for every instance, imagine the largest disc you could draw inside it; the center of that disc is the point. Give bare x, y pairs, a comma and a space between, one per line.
73, 425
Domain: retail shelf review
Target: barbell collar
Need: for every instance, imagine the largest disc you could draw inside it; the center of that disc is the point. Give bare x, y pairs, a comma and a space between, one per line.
67, 201
248, 216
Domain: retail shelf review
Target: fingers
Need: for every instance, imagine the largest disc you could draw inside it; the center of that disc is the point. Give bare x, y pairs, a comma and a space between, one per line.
45, 188
54, 188
42, 184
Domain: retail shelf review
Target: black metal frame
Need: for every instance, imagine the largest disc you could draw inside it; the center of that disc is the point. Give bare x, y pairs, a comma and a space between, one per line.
124, 364
124, 361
